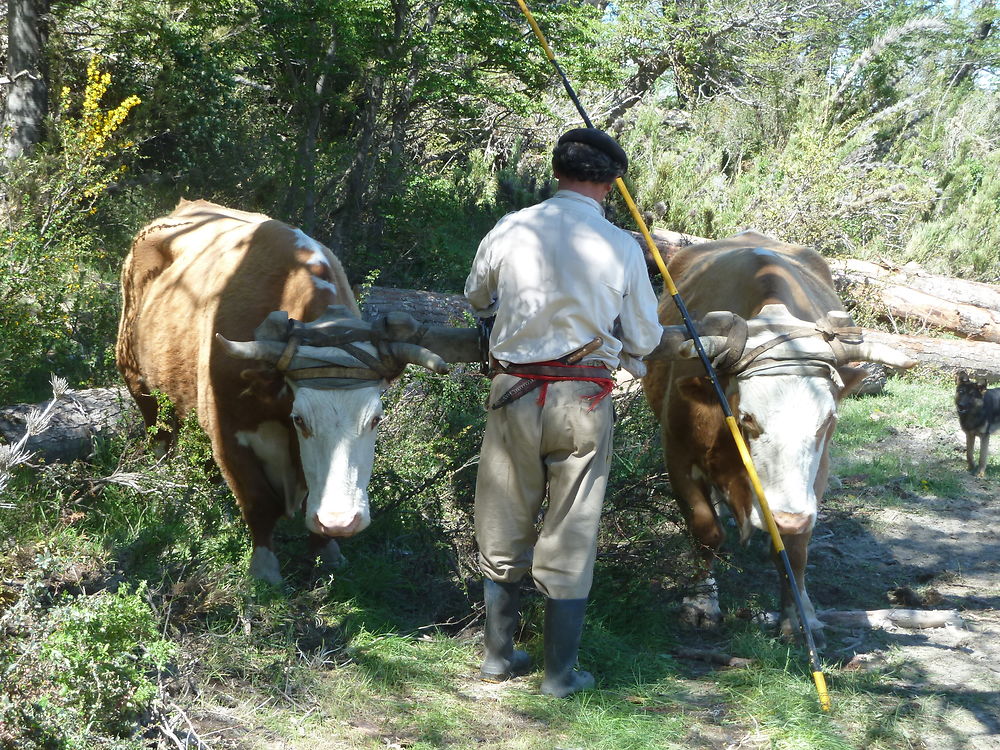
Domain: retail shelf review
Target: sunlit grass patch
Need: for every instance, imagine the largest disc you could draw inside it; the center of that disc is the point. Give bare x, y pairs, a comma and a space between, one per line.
877, 439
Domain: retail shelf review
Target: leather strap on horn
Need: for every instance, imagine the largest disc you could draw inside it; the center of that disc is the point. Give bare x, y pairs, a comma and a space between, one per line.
838, 336
833, 335
287, 353
736, 342
378, 364
751, 355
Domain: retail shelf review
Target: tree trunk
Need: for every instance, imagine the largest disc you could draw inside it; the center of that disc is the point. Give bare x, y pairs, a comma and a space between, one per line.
27, 102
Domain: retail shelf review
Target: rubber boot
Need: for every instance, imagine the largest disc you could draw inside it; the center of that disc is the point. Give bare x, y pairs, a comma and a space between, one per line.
563, 629
502, 617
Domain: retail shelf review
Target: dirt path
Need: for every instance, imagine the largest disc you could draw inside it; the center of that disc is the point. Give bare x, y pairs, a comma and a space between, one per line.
907, 548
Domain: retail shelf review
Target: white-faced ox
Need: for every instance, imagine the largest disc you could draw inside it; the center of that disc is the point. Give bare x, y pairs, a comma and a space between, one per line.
292, 427
781, 342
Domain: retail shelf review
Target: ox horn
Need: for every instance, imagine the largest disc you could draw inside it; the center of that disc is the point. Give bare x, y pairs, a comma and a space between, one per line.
859, 350
713, 330
268, 351
418, 355
873, 351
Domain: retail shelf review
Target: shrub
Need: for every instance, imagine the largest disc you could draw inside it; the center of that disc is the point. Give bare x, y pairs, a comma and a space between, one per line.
57, 280
87, 672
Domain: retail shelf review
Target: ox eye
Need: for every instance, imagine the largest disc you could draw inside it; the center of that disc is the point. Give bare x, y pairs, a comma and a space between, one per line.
374, 423
299, 422
751, 428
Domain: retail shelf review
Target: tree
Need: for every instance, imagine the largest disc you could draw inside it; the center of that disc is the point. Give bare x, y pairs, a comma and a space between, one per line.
27, 102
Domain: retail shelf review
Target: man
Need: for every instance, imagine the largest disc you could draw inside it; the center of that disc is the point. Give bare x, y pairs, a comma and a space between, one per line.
564, 284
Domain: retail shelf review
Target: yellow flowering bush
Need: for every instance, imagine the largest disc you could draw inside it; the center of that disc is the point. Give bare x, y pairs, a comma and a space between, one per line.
88, 149
57, 282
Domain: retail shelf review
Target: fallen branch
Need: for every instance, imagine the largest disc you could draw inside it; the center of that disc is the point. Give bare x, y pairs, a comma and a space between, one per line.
913, 619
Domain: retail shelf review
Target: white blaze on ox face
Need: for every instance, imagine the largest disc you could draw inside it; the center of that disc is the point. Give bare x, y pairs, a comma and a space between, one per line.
337, 429
794, 416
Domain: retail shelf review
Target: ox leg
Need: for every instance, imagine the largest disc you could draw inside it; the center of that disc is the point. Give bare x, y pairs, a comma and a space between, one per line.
797, 547
260, 505
700, 609
328, 552
162, 436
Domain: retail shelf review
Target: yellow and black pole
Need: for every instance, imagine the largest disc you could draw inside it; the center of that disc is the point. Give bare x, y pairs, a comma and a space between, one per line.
779, 546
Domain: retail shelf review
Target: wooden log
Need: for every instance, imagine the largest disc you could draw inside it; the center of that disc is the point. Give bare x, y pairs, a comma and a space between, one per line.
950, 355
960, 291
869, 282
432, 308
914, 619
78, 420
667, 243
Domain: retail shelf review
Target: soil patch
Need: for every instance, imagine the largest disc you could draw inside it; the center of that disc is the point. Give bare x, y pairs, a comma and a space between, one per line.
883, 546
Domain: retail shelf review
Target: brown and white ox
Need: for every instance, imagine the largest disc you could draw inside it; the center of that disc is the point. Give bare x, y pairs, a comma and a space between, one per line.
781, 342
294, 429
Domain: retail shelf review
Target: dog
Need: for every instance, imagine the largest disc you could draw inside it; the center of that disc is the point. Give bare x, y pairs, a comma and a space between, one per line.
979, 414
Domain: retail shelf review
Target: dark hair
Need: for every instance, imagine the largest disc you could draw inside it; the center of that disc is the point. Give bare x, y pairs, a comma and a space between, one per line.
580, 161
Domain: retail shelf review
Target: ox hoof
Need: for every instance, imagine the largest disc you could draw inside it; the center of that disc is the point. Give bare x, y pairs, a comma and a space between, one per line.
700, 612
701, 609
330, 557
264, 566
791, 633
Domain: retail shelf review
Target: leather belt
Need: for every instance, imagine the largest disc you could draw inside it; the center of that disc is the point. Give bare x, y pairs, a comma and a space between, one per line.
540, 374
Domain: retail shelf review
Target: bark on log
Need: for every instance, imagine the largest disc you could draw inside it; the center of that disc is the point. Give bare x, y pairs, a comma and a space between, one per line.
901, 618
78, 420
982, 357
960, 291
431, 308
667, 243
932, 301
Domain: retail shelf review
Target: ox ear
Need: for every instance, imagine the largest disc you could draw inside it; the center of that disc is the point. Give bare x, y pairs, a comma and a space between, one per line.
264, 383
852, 377
750, 426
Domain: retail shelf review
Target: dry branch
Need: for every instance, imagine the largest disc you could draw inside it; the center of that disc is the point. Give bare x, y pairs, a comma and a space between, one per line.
914, 619
712, 657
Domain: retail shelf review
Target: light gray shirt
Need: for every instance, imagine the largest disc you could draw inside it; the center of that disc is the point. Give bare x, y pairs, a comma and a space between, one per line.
557, 275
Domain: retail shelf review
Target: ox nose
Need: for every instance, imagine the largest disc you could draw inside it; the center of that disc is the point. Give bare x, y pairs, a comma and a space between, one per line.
339, 524
793, 523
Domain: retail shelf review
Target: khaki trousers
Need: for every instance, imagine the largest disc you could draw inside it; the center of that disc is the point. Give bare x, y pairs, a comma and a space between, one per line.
559, 451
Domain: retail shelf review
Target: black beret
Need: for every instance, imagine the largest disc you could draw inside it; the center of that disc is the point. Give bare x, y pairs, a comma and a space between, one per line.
599, 140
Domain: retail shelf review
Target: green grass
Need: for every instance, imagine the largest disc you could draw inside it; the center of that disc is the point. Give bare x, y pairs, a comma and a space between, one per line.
874, 431
386, 651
